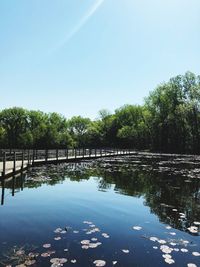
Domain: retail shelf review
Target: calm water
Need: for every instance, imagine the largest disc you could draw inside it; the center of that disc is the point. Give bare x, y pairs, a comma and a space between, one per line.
143, 208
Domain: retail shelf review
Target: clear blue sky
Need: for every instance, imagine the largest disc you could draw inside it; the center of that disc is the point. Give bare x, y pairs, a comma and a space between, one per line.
79, 56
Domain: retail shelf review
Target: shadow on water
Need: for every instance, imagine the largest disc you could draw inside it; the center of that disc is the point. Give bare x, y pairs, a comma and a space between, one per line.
110, 193
14, 184
163, 190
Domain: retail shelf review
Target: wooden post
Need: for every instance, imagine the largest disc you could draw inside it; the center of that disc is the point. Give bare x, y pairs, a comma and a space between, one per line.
3, 190
14, 163
22, 182
4, 164
46, 155
75, 153
57, 154
13, 186
22, 167
28, 157
33, 157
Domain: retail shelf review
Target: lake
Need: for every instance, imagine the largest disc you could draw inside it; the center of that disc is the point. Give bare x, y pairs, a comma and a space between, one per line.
141, 210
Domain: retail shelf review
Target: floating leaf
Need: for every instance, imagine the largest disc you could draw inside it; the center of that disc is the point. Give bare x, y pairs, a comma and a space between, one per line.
125, 251
58, 230
45, 255
137, 228
153, 238
85, 247
167, 256
184, 250
20, 252
93, 245
193, 229
196, 254
105, 235
63, 232
169, 261
165, 249
30, 262
161, 241
85, 242
57, 238
99, 263
176, 249
172, 233
46, 245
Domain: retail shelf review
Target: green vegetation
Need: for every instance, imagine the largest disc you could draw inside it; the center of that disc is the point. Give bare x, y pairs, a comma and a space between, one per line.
169, 121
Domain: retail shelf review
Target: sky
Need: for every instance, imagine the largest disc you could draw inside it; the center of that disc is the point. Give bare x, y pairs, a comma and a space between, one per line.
76, 57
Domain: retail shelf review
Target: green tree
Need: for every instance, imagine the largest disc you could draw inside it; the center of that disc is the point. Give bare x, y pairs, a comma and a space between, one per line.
78, 128
15, 122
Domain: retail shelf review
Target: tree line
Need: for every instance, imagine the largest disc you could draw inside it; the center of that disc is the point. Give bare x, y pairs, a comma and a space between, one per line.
168, 121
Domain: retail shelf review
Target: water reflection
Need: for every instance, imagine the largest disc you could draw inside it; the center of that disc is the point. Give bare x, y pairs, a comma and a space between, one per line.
163, 192
126, 211
14, 185
2, 192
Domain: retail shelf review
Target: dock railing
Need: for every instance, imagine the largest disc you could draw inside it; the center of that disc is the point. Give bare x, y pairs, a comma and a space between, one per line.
15, 160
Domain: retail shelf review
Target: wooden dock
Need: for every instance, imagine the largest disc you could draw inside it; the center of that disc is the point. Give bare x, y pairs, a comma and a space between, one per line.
13, 162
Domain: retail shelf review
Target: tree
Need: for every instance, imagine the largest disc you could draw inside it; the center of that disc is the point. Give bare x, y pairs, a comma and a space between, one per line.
14, 121
132, 127
168, 122
174, 114
78, 128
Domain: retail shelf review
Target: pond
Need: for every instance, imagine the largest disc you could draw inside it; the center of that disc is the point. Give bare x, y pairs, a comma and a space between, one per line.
128, 211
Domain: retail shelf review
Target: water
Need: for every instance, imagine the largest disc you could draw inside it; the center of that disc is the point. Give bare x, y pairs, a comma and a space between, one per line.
159, 196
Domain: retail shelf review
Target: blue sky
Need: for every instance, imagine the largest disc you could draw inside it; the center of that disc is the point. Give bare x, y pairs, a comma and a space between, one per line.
80, 56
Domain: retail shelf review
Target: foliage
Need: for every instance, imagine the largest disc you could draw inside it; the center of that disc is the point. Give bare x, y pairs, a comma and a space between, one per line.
168, 121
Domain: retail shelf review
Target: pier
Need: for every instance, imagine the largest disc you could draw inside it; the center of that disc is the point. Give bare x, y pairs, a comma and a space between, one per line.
16, 161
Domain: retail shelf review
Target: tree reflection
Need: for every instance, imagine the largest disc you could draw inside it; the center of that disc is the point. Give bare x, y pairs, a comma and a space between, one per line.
161, 192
